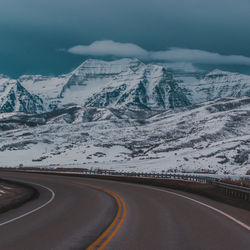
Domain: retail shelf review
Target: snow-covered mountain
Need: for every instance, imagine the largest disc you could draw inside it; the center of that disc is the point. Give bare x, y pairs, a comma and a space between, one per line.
121, 83
125, 83
128, 83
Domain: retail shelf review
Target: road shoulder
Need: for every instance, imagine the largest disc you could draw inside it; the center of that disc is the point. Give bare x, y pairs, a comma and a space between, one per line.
14, 194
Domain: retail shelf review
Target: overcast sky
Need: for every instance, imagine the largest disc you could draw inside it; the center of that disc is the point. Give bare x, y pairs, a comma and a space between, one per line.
36, 36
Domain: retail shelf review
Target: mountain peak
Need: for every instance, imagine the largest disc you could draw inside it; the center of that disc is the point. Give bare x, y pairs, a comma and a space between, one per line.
219, 73
123, 61
94, 66
95, 63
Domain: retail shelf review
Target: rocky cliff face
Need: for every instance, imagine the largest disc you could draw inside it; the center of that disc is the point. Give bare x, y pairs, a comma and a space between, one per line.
15, 98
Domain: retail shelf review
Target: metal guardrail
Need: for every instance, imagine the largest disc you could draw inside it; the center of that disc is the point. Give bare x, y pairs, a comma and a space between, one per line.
235, 191
188, 177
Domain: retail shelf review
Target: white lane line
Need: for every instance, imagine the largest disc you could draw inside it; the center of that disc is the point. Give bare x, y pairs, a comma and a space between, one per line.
34, 210
242, 224
205, 205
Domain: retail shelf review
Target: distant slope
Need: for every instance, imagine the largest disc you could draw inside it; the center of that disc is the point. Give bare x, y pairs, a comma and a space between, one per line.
216, 84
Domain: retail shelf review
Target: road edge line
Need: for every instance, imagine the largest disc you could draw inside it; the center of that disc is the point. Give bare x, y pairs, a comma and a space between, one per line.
242, 224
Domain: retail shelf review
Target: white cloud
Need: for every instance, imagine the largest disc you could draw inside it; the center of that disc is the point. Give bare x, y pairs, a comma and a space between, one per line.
111, 48
198, 56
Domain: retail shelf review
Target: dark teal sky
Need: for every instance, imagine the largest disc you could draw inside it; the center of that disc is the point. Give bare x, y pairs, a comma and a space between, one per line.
33, 32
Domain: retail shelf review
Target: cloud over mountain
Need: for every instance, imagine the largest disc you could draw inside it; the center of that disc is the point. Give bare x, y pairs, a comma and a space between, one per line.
110, 48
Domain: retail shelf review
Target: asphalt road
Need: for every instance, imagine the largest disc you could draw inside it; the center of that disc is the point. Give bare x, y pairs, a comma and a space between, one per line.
80, 213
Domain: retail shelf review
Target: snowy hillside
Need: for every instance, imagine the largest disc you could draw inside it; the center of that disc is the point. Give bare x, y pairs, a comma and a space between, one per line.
209, 137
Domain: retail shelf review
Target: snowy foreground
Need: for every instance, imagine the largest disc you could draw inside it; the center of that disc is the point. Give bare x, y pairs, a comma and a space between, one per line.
209, 137
4, 190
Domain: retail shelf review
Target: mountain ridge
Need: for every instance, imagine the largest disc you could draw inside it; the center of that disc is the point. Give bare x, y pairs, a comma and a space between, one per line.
125, 83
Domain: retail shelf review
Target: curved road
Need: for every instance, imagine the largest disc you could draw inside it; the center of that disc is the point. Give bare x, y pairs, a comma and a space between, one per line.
81, 213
